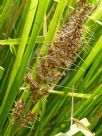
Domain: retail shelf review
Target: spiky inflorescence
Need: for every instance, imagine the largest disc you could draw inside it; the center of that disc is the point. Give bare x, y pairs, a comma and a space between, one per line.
36, 93
18, 115
28, 118
17, 111
63, 51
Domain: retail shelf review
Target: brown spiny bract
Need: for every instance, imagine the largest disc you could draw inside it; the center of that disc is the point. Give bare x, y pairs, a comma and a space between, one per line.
17, 111
19, 116
31, 82
36, 93
39, 94
28, 79
28, 118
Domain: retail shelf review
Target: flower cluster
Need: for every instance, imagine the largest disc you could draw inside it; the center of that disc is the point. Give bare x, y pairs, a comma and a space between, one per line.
18, 115
64, 49
60, 54
28, 118
36, 93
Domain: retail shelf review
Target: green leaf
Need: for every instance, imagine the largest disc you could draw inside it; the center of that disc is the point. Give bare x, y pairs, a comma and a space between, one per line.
21, 49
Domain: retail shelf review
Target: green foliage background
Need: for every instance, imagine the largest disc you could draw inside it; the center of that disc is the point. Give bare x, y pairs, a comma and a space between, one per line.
28, 25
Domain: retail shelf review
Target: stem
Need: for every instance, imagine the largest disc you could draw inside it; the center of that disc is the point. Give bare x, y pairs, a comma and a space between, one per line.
77, 95
17, 41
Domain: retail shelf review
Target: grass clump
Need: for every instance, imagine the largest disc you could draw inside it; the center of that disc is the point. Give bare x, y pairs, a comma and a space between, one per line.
52, 55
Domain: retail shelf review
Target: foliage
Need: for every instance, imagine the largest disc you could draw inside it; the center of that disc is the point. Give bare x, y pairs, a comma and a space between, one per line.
27, 29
